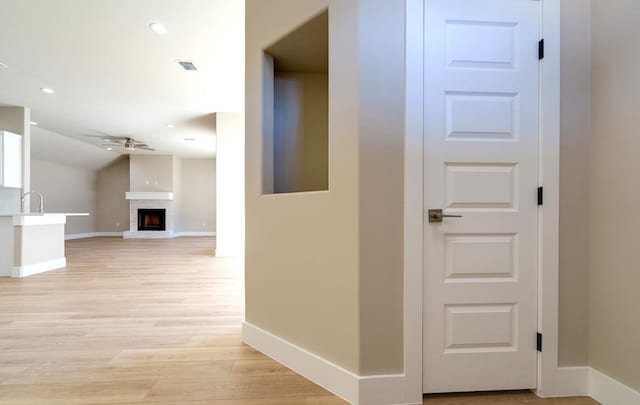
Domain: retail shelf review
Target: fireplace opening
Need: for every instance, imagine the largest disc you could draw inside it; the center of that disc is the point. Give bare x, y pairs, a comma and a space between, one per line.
152, 220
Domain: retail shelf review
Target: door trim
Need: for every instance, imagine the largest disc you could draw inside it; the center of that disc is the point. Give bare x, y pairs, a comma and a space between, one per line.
550, 376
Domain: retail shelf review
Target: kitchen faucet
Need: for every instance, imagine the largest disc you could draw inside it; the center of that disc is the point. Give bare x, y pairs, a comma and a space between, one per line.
41, 207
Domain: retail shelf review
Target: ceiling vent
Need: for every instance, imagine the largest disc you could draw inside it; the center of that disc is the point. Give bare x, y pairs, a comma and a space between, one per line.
187, 65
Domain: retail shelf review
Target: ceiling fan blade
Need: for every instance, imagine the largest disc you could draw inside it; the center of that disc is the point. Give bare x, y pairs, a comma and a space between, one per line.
113, 140
127, 142
105, 136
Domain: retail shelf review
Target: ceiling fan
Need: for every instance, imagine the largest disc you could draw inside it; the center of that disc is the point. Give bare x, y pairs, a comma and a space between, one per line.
129, 143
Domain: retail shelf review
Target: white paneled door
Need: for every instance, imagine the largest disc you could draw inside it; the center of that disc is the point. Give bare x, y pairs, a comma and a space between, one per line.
481, 163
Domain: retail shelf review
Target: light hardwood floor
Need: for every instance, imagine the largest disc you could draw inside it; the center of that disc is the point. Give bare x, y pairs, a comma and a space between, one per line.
149, 321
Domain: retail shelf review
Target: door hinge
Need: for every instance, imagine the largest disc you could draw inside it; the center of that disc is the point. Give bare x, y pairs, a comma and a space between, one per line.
540, 195
539, 342
541, 49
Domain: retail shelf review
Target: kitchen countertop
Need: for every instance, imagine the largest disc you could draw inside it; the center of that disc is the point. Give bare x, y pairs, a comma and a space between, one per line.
33, 218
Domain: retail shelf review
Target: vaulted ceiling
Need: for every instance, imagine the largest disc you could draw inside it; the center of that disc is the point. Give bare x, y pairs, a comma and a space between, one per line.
111, 74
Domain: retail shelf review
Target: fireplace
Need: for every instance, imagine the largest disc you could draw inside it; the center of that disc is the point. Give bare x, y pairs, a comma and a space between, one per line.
152, 219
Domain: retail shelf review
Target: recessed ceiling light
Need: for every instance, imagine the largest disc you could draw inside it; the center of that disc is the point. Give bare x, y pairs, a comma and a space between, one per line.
47, 90
169, 125
109, 148
158, 28
2, 65
190, 139
34, 123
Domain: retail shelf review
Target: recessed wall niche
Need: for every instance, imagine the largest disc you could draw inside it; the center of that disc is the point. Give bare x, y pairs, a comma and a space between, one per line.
296, 110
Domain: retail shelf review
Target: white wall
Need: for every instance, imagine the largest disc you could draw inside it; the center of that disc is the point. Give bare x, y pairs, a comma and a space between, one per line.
9, 200
230, 184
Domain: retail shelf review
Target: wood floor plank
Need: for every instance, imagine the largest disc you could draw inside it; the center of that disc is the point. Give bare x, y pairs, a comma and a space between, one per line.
152, 371
325, 400
75, 393
235, 388
7, 372
260, 367
188, 354
264, 401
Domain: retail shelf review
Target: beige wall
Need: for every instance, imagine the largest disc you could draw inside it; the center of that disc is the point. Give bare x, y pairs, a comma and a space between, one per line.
67, 189
302, 249
197, 195
345, 243
614, 263
379, 111
12, 119
177, 195
300, 132
381, 169
113, 209
574, 166
151, 173
193, 182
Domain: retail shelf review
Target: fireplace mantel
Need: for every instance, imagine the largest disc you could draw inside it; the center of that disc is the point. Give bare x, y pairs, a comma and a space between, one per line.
133, 195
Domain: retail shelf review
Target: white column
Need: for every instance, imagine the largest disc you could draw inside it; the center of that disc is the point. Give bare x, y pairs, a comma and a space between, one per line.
230, 184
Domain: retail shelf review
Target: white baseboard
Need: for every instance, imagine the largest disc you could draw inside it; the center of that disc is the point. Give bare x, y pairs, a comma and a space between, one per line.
80, 236
357, 390
332, 377
31, 269
388, 389
608, 391
121, 234
183, 234
567, 382
93, 235
108, 234
572, 382
147, 235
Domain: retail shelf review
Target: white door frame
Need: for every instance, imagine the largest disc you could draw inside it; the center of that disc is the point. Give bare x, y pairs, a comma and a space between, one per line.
552, 380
